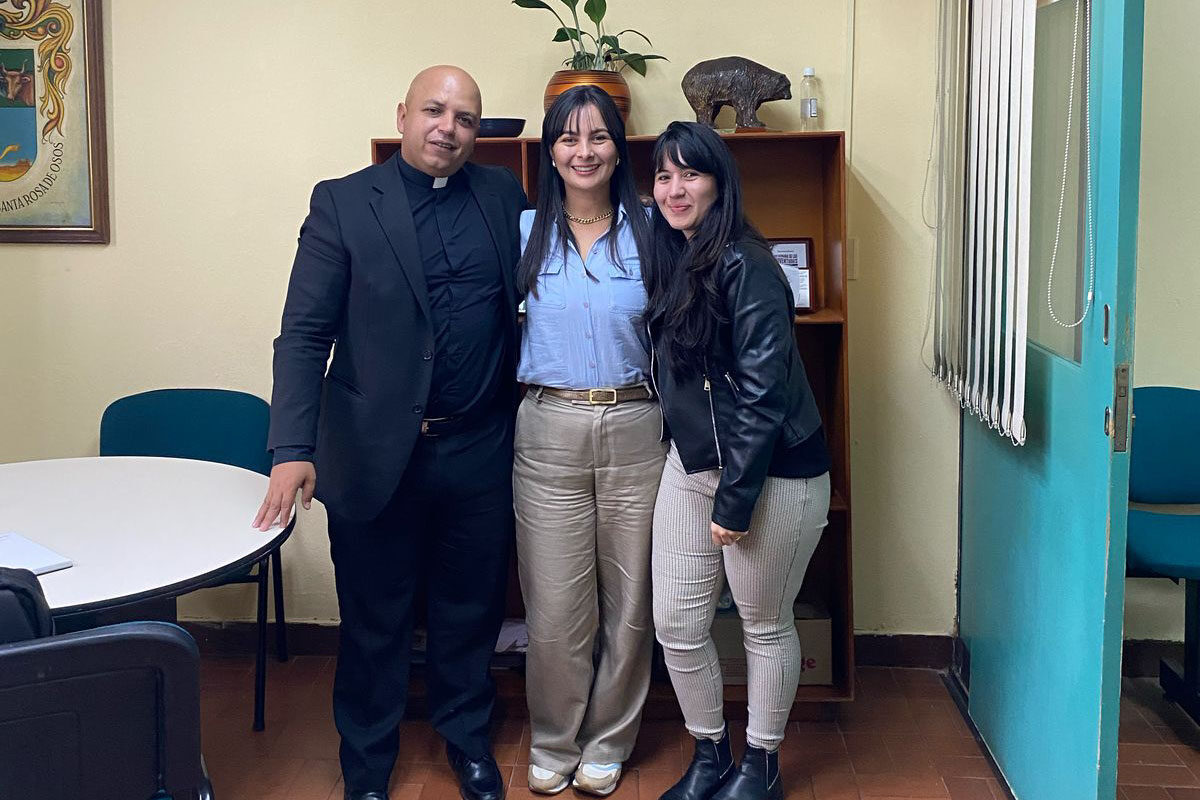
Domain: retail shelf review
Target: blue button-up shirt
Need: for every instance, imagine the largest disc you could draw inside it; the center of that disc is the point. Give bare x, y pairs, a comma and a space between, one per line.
582, 333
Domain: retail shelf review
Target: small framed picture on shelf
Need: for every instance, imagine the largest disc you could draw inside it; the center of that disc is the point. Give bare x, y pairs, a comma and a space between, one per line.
795, 256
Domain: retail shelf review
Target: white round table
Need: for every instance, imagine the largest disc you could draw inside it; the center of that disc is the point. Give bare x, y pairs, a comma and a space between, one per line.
136, 528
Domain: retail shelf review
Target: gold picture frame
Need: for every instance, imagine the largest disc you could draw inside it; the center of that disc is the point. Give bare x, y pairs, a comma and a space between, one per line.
53, 149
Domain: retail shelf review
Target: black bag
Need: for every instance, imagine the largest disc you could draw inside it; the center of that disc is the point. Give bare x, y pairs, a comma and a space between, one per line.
23, 610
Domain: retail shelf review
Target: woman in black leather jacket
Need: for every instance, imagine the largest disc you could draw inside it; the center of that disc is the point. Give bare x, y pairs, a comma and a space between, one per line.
746, 486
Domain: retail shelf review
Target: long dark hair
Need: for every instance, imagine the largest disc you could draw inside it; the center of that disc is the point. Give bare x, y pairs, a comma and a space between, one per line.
684, 298
549, 219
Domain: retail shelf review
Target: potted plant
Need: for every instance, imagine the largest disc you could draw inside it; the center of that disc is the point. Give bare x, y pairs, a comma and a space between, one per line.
596, 58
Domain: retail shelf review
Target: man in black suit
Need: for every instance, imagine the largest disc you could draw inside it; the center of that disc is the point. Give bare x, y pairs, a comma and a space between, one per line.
405, 270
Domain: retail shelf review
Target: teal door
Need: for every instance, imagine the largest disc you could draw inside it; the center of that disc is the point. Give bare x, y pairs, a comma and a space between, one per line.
1041, 589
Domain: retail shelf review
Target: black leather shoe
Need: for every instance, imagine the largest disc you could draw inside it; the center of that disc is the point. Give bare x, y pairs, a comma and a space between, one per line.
756, 779
350, 795
712, 763
478, 779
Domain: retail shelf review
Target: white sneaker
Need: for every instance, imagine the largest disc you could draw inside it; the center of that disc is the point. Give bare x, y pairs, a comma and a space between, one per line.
597, 779
544, 781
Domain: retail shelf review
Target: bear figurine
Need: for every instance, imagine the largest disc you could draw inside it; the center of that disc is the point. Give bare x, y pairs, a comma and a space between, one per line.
733, 81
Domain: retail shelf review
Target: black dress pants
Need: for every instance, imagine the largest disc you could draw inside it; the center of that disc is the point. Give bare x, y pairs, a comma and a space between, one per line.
448, 527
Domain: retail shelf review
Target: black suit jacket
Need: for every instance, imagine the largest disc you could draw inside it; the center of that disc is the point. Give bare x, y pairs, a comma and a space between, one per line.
358, 286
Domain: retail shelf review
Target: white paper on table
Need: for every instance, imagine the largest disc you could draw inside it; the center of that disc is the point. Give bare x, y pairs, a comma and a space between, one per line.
20, 553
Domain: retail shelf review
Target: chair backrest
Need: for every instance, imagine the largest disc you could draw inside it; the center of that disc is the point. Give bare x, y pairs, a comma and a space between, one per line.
218, 425
1164, 449
111, 713
24, 613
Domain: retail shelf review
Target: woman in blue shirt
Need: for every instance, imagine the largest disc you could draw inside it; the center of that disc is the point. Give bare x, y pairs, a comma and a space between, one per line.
588, 451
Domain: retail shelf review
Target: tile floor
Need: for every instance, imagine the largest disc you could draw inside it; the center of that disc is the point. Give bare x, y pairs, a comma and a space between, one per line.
1158, 746
903, 737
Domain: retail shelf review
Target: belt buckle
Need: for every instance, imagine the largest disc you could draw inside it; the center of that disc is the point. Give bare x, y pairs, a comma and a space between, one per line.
606, 402
425, 423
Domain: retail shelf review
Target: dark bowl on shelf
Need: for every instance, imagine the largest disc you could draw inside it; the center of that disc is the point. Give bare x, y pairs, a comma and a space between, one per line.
491, 127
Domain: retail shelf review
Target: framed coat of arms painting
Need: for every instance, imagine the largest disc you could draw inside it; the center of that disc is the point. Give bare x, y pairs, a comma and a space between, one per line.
53, 157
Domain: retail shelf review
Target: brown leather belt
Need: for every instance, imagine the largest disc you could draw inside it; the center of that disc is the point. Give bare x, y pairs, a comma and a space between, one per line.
597, 397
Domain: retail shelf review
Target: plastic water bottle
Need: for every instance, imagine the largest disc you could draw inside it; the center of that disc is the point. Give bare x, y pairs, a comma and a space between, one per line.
810, 101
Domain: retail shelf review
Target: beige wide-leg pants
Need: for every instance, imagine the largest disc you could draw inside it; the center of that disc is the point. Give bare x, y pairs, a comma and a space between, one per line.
585, 478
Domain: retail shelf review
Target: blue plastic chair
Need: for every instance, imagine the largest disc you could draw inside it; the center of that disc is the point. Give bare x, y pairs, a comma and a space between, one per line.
217, 425
1164, 516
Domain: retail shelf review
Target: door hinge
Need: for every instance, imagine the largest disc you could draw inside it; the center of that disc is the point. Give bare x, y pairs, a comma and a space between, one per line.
1118, 428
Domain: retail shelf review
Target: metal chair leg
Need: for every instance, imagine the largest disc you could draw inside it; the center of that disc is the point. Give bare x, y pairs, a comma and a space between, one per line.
281, 651
260, 659
1181, 684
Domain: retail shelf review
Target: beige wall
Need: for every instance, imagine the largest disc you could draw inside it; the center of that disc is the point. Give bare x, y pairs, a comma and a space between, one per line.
1167, 336
222, 115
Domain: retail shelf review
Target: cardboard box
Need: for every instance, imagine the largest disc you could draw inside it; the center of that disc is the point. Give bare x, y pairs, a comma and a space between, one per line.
816, 646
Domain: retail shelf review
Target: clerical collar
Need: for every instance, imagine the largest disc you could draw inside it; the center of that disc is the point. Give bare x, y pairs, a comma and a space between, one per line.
417, 178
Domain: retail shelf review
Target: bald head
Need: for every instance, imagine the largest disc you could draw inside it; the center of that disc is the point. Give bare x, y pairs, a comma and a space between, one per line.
439, 120
446, 77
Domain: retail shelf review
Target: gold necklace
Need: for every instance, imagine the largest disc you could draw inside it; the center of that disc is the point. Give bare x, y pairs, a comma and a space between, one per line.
586, 220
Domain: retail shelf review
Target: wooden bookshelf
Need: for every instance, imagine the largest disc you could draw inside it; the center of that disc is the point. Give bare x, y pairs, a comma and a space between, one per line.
794, 185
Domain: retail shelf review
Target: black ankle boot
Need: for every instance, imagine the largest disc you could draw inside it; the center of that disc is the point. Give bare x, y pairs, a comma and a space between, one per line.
756, 779
712, 764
